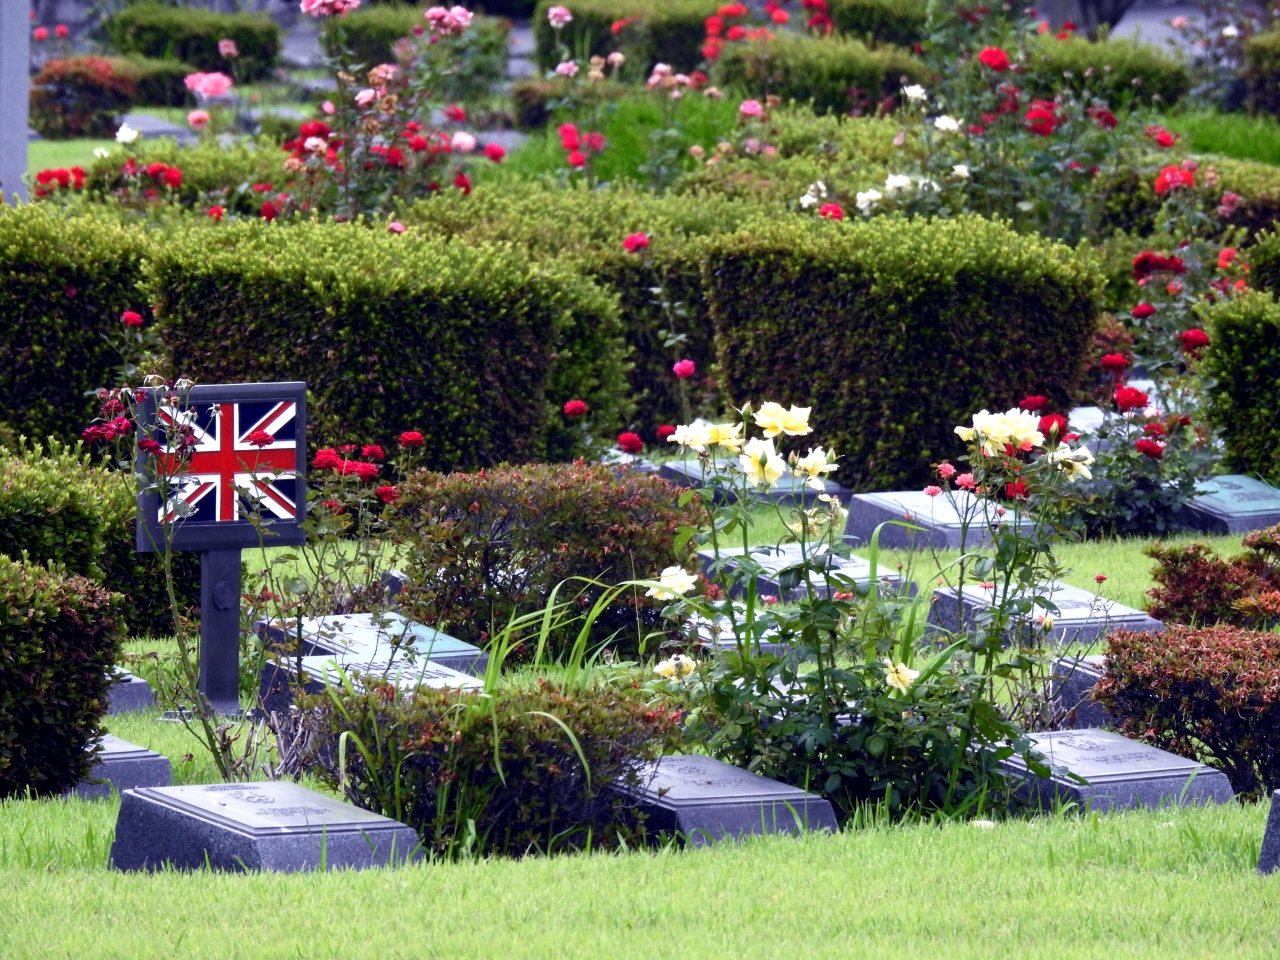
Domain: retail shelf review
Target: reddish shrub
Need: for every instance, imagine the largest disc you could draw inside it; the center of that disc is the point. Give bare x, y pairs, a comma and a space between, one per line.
1196, 586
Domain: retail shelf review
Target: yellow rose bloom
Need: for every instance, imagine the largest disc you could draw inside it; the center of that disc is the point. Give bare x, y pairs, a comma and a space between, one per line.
727, 435
1074, 463
813, 465
761, 463
695, 436
773, 420
899, 675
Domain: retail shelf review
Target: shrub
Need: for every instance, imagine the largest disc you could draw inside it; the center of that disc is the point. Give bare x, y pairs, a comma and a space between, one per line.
61, 636
1204, 693
50, 520
900, 22
66, 282
896, 331
1241, 369
473, 346
833, 74
1195, 586
191, 34
671, 31
157, 83
532, 98
486, 546
80, 97
1117, 70
479, 774
1262, 72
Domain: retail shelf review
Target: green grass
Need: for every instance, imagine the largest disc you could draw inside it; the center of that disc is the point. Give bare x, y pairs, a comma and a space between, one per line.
47, 154
1229, 134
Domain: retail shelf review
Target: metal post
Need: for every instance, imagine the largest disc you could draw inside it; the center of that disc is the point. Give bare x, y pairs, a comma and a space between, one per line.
15, 85
220, 628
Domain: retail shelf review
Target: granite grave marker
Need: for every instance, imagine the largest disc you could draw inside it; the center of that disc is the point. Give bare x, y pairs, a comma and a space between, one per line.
252, 826
129, 694
790, 489
776, 559
941, 517
278, 679
1269, 855
1072, 679
373, 636
124, 766
1082, 617
1235, 504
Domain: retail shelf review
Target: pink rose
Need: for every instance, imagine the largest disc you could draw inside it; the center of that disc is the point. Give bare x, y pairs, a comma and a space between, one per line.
199, 119
567, 69
328, 8
495, 152
559, 17
328, 107
932, 491
208, 85
366, 97
463, 142
228, 50
751, 108
684, 369
395, 226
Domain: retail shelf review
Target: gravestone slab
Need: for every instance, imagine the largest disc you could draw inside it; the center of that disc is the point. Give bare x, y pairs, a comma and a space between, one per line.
719, 637
129, 694
1269, 856
790, 489
124, 766
374, 636
1072, 679
1121, 774
252, 826
1234, 504
1082, 617
705, 800
776, 559
277, 680
942, 518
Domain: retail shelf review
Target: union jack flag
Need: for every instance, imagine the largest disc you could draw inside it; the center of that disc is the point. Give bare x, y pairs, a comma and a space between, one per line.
225, 477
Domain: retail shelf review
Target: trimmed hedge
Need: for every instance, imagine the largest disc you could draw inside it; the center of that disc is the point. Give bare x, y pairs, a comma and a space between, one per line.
1262, 72
1116, 64
60, 636
157, 83
895, 331
474, 346
79, 97
900, 22
66, 281
191, 34
670, 31
821, 71
1242, 374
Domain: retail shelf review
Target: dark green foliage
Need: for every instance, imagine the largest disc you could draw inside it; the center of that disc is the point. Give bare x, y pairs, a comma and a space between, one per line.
894, 331
485, 547
532, 98
472, 345
479, 774
60, 636
1212, 694
1242, 373
1262, 72
66, 281
835, 74
1119, 71
157, 83
899, 22
79, 97
670, 31
48, 516
191, 34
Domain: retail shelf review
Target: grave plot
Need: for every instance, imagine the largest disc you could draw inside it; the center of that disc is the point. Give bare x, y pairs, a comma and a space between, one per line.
1269, 856
1082, 617
776, 559
278, 679
1235, 504
124, 766
1072, 679
705, 800
942, 517
790, 489
373, 636
240, 827
129, 694
1119, 774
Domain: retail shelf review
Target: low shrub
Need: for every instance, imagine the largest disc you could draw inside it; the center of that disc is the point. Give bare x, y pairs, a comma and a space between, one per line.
671, 31
1262, 72
66, 282
472, 345
1197, 587
521, 771
1241, 369
1120, 70
48, 517
532, 98
61, 636
833, 74
191, 35
895, 331
157, 83
1212, 694
900, 22
80, 97
484, 547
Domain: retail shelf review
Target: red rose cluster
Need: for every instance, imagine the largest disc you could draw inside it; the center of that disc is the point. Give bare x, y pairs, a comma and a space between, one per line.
820, 16
330, 459
50, 181
579, 146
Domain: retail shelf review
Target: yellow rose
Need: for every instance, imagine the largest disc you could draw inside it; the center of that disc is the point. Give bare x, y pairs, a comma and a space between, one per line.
761, 463
672, 583
727, 435
899, 675
696, 436
813, 465
773, 420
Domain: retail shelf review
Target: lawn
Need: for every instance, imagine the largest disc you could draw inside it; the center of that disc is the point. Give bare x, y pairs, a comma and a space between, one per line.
1229, 134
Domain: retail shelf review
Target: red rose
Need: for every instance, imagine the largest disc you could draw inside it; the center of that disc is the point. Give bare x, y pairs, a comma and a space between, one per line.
1115, 363
1102, 117
575, 408
831, 211
1193, 341
173, 178
313, 128
664, 431
41, 34
348, 448
569, 139
417, 144
594, 141
1130, 398
387, 494
995, 58
1142, 311
149, 446
1161, 136
780, 16
132, 319
1034, 403
1152, 449
714, 25
732, 10
61, 31
365, 471
462, 183
495, 152
1153, 430
269, 211
1042, 118
372, 452
327, 459
576, 160
1017, 490
1171, 178
455, 114
735, 33
1054, 425
216, 212
1226, 258
411, 438
260, 438
684, 369
635, 242
630, 442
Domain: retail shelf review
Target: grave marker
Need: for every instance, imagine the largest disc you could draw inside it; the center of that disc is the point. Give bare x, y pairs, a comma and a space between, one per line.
208, 499
15, 82
776, 559
1082, 617
942, 518
1235, 504
124, 766
371, 637
252, 826
278, 679
1072, 679
705, 800
790, 489
1121, 773
1269, 856
129, 694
